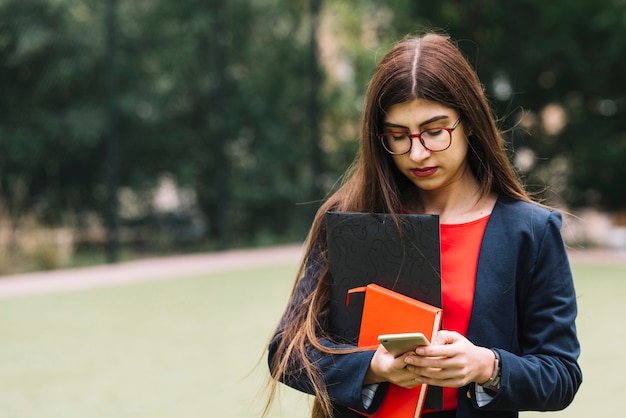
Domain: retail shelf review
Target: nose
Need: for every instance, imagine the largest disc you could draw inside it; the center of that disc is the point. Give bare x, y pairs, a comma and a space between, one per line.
418, 151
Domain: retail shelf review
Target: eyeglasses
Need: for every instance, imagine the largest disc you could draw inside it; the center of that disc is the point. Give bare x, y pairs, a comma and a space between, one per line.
433, 139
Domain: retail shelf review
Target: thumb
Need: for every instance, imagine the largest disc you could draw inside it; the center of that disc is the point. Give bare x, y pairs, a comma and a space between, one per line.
446, 337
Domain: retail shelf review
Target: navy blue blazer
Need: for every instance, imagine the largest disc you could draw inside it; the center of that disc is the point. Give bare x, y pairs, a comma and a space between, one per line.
524, 307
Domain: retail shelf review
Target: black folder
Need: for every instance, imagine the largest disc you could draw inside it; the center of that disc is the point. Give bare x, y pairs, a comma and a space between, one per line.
366, 248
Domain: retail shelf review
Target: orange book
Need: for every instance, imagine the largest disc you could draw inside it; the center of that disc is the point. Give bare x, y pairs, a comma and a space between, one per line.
389, 312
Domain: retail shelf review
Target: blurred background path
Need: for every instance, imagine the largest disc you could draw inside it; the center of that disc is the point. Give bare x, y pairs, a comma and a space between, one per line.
169, 268
162, 268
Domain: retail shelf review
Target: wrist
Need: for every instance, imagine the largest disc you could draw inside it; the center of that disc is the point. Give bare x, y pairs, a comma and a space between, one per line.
494, 379
372, 377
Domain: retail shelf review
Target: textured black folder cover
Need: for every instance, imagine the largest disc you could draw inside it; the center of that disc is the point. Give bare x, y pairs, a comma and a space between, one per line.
366, 248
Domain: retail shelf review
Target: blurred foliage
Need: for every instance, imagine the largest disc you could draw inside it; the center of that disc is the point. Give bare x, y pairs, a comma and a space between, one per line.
218, 95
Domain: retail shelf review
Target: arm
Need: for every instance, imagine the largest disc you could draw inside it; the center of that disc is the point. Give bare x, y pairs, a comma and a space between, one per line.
525, 311
543, 373
343, 374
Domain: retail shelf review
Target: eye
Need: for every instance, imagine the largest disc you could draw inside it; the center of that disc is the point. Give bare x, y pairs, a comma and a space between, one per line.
395, 136
433, 133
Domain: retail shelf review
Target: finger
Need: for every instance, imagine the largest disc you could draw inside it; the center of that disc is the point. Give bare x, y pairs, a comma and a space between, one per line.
443, 350
427, 361
412, 369
409, 384
447, 337
404, 378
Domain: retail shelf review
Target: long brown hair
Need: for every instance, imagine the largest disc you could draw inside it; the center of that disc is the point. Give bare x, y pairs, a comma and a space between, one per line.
429, 67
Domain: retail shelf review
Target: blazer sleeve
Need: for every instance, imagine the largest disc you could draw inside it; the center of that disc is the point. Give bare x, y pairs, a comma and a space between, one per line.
542, 373
343, 374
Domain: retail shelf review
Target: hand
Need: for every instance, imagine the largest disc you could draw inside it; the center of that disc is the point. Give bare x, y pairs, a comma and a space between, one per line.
451, 361
384, 367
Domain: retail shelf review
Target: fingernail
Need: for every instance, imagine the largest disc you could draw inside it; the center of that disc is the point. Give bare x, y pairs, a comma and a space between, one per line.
408, 360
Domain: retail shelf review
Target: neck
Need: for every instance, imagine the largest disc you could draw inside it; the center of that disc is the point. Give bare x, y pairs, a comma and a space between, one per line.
459, 204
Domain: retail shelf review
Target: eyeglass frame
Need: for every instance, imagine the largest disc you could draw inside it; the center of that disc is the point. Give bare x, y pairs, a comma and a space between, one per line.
418, 136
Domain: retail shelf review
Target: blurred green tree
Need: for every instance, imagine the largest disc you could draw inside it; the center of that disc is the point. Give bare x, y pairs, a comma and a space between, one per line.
50, 107
219, 94
553, 71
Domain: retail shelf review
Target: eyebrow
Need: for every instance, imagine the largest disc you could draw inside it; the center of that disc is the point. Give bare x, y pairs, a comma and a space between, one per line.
426, 122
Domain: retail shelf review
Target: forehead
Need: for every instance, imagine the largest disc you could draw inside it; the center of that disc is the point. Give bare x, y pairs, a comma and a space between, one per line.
417, 112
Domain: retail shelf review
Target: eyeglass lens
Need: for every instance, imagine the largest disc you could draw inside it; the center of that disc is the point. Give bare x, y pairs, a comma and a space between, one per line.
436, 139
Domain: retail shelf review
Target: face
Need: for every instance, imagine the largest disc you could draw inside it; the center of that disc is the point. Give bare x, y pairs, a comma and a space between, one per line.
428, 170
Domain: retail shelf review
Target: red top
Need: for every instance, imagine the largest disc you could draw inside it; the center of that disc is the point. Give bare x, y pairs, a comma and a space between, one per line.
460, 247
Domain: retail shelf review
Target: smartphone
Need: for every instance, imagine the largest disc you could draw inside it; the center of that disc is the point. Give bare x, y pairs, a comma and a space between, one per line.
398, 344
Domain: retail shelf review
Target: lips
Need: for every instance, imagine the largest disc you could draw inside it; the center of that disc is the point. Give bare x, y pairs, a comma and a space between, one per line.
424, 172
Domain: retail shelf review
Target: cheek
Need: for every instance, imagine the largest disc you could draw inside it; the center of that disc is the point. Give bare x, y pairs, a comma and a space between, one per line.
398, 161
460, 149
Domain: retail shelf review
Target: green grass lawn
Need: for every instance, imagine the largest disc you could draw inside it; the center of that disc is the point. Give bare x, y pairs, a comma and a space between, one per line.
193, 347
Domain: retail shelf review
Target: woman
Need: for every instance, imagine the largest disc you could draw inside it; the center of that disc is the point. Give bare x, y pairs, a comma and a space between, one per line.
430, 145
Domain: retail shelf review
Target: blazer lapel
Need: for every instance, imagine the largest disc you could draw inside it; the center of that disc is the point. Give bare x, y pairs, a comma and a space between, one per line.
491, 319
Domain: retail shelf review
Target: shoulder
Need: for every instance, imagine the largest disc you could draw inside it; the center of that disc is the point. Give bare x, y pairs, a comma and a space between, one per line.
523, 234
523, 213
521, 223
